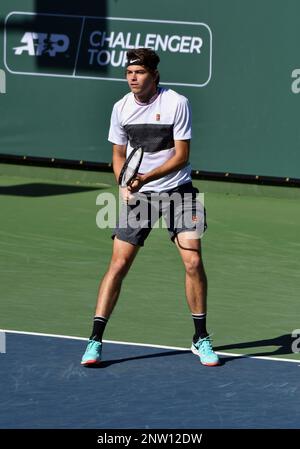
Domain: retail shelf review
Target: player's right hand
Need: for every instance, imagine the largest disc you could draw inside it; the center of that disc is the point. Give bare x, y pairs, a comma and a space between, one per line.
125, 193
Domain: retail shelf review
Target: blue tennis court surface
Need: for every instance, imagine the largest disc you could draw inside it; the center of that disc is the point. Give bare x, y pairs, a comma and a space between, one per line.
44, 386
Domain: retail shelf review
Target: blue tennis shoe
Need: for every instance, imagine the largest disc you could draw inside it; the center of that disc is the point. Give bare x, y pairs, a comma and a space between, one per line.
92, 355
203, 349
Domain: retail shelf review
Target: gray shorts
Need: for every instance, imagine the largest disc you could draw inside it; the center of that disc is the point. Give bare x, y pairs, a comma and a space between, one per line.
179, 207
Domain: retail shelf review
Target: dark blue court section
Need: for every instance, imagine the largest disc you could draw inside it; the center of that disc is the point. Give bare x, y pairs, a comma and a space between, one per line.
44, 386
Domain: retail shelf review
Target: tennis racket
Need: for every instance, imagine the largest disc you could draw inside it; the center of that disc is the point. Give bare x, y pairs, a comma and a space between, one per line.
131, 166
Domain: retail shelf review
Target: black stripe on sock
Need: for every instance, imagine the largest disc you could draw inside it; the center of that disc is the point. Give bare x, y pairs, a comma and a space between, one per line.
98, 328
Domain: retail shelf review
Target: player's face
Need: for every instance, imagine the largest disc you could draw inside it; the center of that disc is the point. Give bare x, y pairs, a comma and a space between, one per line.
141, 81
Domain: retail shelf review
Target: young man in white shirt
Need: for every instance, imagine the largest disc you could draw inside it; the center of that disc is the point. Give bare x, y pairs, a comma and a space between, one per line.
159, 120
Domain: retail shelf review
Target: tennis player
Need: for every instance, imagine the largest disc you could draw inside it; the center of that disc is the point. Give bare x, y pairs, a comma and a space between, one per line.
159, 120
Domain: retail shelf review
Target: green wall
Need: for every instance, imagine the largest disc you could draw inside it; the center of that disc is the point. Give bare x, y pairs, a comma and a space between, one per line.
242, 83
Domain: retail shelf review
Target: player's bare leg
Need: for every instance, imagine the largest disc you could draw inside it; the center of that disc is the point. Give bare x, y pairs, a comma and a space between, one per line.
122, 257
196, 294
195, 277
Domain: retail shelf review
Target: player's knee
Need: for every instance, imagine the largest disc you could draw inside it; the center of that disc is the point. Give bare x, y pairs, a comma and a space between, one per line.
119, 267
194, 265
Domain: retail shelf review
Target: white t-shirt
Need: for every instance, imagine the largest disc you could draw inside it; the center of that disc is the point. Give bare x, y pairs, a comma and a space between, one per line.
153, 126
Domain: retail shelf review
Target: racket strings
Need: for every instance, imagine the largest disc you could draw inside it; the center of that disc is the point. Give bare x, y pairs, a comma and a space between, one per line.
129, 173
132, 167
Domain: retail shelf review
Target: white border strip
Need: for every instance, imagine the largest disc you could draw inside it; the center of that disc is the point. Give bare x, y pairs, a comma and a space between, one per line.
126, 19
226, 354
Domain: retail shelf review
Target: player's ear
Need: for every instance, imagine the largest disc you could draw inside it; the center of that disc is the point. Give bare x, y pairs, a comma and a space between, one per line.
156, 76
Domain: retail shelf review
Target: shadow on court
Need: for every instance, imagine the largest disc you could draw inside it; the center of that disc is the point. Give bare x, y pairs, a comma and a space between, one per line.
284, 343
107, 363
43, 189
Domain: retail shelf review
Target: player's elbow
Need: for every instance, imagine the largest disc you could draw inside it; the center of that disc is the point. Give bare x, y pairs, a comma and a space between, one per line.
182, 160
182, 152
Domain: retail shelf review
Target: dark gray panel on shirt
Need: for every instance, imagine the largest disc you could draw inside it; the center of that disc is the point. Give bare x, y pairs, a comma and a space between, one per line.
151, 137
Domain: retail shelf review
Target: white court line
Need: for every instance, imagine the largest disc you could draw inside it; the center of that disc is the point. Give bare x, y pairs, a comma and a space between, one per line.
226, 354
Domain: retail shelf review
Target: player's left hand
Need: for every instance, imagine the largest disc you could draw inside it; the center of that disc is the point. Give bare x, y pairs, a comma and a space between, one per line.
136, 184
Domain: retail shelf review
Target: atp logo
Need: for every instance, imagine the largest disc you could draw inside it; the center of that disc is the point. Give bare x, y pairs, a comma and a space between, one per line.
38, 44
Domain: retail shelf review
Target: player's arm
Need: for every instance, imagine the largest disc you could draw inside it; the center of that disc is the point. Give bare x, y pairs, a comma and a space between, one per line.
118, 159
175, 163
